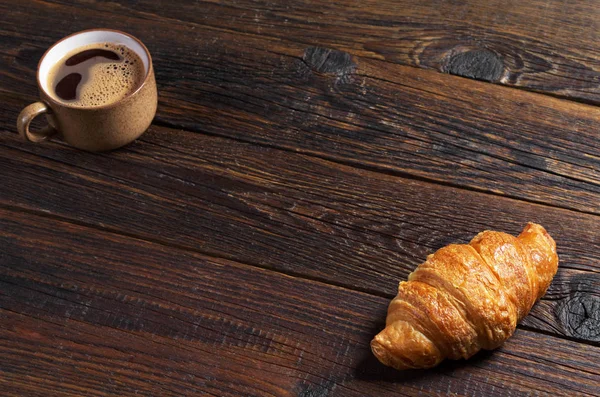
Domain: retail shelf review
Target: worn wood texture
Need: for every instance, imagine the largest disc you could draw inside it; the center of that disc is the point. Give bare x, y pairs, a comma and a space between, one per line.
249, 243
546, 46
358, 111
86, 312
294, 213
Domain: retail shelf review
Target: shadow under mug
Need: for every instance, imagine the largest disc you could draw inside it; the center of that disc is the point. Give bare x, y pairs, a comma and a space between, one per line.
92, 128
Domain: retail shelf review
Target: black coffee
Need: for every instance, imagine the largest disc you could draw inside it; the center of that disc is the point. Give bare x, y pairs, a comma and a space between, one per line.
96, 75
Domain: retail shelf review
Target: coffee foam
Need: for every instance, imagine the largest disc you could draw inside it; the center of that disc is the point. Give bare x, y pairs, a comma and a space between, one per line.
103, 82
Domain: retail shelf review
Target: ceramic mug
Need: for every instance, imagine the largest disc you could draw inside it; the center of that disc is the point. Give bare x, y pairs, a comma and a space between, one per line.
92, 128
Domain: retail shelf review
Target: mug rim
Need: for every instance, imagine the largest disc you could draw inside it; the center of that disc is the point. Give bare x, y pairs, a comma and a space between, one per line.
50, 98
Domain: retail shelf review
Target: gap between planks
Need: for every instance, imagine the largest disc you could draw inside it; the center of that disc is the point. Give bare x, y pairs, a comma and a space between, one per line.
152, 16
160, 122
288, 273
368, 167
371, 166
149, 16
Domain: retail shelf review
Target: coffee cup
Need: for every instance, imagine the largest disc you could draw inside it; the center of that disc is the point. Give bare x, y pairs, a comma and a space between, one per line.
98, 101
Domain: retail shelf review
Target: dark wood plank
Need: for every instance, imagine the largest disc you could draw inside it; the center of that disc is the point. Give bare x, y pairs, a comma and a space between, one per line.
89, 312
293, 213
546, 46
358, 111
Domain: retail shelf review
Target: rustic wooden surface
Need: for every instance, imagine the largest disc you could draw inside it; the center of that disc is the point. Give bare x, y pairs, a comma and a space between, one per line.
305, 157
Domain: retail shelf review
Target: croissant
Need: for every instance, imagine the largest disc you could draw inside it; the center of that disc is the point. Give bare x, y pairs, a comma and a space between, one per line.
466, 297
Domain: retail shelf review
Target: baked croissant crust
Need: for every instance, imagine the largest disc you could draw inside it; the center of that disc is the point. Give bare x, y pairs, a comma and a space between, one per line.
466, 297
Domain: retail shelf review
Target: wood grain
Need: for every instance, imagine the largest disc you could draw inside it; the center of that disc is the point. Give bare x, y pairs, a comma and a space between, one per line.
88, 312
290, 212
546, 46
357, 111
254, 252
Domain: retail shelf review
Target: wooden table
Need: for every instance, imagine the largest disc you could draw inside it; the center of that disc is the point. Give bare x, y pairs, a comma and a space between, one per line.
306, 156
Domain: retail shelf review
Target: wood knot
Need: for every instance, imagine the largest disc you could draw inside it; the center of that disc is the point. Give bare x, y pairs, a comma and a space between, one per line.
328, 61
476, 64
580, 316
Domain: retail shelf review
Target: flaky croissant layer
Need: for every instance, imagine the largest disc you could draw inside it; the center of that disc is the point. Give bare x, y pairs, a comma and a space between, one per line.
466, 297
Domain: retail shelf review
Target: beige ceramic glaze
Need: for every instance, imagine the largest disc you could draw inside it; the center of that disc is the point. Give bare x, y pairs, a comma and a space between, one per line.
96, 128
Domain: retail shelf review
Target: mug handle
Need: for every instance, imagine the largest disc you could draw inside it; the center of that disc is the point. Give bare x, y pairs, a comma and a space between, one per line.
26, 117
